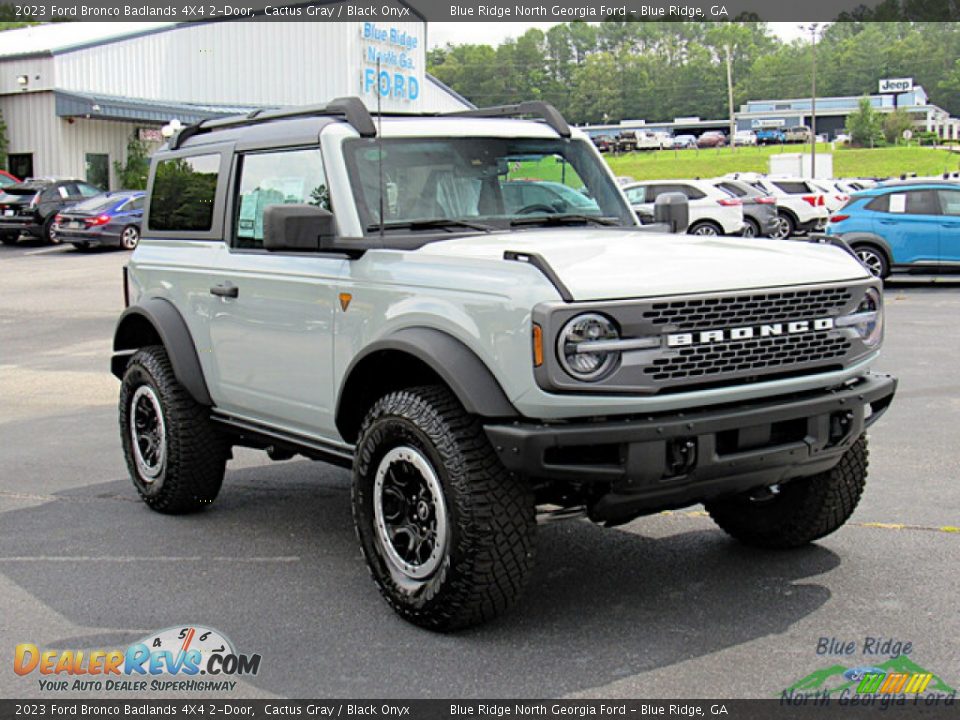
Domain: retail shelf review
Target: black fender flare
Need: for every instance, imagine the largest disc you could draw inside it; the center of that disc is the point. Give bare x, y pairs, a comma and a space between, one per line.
457, 365
168, 325
866, 238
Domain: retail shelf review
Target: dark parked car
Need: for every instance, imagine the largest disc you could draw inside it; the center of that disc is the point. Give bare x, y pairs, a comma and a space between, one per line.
29, 208
760, 217
7, 179
712, 138
112, 218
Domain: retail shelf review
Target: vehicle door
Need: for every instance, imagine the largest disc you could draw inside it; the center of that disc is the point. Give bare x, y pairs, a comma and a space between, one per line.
271, 328
910, 224
949, 249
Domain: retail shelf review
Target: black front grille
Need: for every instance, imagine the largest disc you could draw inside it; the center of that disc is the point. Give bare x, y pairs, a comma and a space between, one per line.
744, 356
744, 310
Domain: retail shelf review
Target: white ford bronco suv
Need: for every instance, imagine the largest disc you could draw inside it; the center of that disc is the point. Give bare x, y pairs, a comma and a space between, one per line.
464, 310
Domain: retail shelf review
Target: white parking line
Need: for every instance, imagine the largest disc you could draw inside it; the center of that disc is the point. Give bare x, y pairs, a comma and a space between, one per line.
43, 251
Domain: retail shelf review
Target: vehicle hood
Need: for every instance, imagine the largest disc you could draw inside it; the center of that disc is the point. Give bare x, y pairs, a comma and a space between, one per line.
610, 264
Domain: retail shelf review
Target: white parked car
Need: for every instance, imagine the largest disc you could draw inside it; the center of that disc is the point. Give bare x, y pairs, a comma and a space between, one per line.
712, 211
665, 139
802, 206
744, 138
835, 193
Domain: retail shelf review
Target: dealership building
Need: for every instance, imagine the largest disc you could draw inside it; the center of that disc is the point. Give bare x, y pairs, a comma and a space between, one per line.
831, 112
72, 95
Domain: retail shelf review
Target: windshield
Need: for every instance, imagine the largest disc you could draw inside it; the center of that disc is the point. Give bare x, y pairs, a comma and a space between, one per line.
480, 183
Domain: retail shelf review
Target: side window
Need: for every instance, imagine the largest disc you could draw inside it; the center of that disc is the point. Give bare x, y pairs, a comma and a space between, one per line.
922, 202
732, 190
183, 193
136, 204
881, 203
792, 188
88, 190
950, 202
692, 193
276, 178
635, 195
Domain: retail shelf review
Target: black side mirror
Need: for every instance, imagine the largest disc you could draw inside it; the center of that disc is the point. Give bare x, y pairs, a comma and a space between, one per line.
298, 228
672, 209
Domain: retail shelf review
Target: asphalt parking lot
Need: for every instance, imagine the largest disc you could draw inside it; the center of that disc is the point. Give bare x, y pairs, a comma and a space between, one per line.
666, 606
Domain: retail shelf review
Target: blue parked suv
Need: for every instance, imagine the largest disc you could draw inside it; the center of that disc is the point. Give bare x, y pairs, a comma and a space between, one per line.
913, 227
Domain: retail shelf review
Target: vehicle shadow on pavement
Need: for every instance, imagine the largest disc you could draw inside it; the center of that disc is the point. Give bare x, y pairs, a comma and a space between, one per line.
276, 567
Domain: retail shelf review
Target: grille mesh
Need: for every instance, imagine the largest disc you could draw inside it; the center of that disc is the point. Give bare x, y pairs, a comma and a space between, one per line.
761, 354
743, 310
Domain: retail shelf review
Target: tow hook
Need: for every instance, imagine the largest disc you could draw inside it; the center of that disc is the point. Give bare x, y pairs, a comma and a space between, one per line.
681, 456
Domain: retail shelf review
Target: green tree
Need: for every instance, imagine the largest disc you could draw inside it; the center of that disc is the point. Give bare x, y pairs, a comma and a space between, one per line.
132, 175
865, 125
894, 124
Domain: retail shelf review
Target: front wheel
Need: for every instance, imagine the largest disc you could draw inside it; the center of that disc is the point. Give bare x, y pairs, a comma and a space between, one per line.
800, 511
447, 532
175, 455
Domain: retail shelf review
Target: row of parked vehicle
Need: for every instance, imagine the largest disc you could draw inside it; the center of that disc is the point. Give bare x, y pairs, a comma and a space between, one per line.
57, 210
748, 204
631, 140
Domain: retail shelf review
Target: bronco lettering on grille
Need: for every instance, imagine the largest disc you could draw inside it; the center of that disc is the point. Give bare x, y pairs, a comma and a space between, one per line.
706, 337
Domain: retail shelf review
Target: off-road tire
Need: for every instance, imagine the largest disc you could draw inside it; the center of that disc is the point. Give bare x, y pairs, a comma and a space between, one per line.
804, 510
490, 513
195, 451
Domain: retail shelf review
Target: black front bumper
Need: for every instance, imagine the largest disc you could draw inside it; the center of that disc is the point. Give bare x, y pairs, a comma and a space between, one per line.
672, 460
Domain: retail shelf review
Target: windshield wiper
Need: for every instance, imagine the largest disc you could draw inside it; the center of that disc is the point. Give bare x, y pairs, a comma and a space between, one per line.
564, 219
438, 223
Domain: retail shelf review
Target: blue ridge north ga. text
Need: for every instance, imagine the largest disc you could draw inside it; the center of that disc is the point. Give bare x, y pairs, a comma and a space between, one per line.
500, 12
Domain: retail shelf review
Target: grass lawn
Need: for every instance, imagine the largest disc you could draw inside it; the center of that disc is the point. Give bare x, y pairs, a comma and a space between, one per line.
847, 162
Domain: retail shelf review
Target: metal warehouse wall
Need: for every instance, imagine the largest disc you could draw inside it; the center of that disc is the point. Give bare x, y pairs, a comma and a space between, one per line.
59, 147
282, 63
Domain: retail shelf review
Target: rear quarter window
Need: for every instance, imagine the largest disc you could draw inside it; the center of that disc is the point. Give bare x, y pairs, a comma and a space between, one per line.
881, 203
184, 190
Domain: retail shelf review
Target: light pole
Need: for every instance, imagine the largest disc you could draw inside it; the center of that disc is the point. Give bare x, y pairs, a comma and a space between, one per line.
733, 120
813, 28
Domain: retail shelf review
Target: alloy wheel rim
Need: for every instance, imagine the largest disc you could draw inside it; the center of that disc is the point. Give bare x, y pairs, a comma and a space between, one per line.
148, 433
705, 230
783, 229
748, 230
410, 513
130, 238
871, 260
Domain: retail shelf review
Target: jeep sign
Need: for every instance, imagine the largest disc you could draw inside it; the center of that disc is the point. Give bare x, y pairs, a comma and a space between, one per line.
896, 85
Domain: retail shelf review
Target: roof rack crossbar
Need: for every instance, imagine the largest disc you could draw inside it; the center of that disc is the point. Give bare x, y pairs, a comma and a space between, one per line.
537, 108
350, 108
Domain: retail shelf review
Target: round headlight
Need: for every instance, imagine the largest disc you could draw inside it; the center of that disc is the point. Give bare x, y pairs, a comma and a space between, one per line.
870, 328
574, 346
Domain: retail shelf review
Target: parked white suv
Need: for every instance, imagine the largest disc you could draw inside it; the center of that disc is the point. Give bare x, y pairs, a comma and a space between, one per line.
712, 211
801, 205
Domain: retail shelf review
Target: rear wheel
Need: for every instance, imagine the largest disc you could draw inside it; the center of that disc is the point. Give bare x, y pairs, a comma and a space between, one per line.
705, 227
49, 234
447, 532
874, 259
750, 228
786, 227
800, 511
175, 455
130, 237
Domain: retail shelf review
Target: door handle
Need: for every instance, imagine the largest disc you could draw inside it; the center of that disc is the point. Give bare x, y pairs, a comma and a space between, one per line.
225, 291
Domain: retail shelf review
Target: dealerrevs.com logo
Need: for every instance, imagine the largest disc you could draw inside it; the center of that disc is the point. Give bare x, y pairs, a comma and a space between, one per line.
185, 658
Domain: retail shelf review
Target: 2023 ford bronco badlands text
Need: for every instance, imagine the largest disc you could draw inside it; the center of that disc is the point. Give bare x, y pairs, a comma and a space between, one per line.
464, 310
